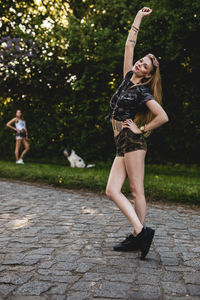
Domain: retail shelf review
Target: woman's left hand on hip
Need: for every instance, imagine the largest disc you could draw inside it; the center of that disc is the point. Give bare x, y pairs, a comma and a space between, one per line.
131, 125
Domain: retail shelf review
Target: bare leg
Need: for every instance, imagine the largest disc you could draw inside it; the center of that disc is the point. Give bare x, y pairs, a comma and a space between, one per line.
17, 148
134, 162
113, 191
26, 145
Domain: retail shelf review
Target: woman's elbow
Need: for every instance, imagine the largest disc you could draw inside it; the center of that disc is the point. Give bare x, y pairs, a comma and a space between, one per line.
165, 118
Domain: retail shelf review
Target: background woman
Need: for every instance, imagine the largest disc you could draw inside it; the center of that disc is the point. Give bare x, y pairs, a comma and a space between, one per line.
135, 109
21, 135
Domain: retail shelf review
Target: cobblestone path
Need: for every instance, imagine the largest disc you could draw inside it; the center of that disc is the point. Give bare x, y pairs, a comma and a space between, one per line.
57, 244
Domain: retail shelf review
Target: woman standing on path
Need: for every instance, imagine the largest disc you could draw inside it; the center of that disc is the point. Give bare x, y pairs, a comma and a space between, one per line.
135, 109
21, 135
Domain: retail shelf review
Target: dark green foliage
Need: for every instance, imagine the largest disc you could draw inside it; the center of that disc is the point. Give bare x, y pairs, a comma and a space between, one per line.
66, 74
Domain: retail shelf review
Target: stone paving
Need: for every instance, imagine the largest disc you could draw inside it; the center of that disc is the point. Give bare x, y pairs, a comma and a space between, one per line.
57, 244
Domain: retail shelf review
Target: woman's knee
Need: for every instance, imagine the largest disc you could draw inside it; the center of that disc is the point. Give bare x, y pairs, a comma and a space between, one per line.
137, 191
27, 147
110, 192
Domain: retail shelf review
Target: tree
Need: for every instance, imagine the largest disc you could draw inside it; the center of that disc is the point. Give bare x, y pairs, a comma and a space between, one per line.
61, 62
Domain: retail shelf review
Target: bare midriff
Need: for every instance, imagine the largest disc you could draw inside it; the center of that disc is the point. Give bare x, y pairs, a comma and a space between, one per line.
117, 127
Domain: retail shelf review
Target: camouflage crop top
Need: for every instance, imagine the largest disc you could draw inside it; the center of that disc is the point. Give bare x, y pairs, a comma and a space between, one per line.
128, 99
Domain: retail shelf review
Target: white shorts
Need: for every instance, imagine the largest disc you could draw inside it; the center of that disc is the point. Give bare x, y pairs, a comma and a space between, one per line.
20, 138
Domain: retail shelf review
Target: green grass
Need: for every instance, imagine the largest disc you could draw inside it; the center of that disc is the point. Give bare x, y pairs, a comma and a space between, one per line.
178, 183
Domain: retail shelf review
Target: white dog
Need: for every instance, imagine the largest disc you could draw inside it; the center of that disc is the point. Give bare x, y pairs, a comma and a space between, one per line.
75, 160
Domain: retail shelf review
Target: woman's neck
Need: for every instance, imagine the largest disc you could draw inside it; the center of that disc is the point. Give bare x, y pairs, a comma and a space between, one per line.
135, 79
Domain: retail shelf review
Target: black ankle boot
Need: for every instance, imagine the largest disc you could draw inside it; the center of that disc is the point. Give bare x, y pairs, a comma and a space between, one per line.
144, 240
129, 244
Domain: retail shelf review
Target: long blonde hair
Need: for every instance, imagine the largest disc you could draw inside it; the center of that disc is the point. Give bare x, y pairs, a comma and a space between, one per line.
155, 85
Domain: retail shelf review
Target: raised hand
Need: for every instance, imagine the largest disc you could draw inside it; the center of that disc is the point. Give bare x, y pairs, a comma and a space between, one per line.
145, 11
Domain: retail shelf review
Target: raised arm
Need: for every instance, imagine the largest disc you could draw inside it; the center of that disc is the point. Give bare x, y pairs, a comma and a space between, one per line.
132, 39
9, 124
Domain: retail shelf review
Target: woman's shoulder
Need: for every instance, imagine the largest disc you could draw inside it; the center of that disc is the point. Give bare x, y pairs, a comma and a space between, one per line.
128, 75
144, 89
145, 93
14, 120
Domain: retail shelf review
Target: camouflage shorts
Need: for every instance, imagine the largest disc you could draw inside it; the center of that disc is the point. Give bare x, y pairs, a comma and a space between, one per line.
127, 141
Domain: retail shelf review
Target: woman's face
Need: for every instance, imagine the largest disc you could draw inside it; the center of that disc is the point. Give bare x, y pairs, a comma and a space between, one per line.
143, 67
18, 113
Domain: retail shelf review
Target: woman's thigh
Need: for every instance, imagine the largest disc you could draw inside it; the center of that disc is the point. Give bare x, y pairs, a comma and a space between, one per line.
135, 165
26, 144
117, 175
18, 144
